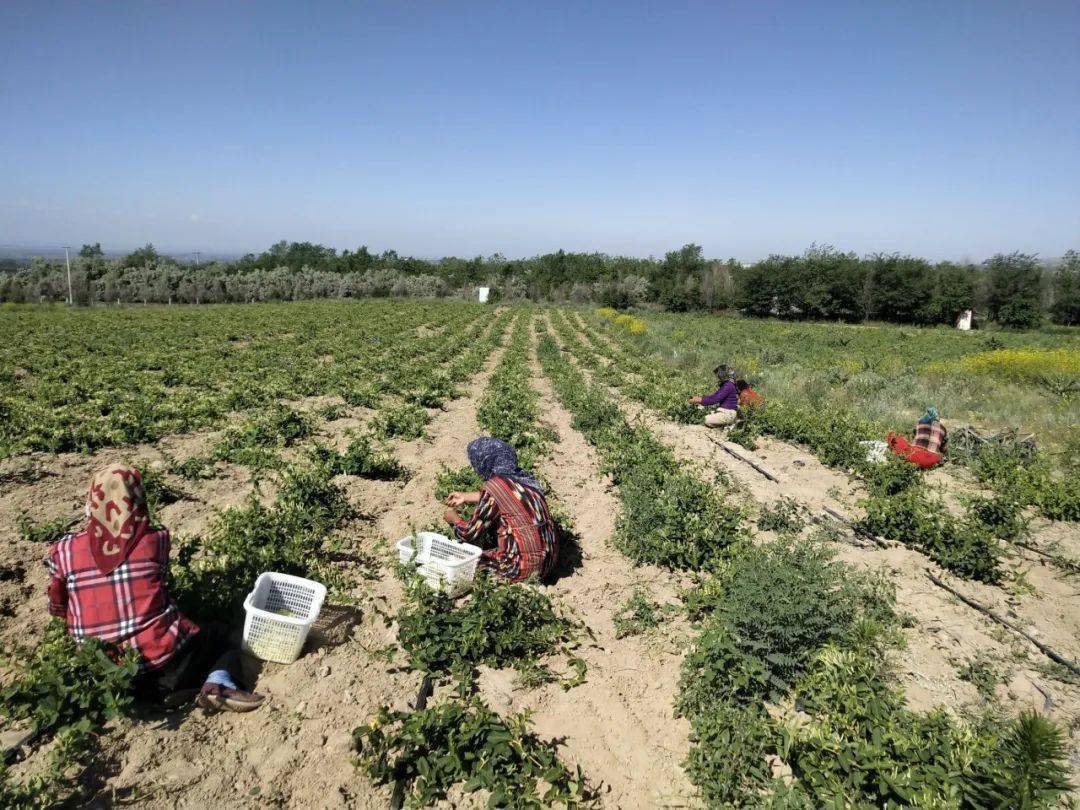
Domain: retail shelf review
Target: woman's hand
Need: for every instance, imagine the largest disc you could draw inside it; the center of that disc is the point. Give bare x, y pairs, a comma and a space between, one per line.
695, 400
462, 498
451, 516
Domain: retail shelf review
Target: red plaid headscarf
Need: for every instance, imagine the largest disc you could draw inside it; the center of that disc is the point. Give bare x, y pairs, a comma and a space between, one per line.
118, 516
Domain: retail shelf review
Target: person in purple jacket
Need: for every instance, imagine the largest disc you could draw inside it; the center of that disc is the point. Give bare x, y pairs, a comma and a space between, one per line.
723, 404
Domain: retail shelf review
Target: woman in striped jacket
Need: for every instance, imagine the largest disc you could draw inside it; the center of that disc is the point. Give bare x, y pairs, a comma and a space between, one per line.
512, 505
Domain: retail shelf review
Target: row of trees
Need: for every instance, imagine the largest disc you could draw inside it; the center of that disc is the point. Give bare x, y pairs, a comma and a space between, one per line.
1015, 289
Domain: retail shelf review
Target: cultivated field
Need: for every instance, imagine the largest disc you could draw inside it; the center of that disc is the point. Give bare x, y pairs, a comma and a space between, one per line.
762, 618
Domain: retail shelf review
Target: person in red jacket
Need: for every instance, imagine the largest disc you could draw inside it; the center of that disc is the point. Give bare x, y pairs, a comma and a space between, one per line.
110, 581
748, 397
928, 447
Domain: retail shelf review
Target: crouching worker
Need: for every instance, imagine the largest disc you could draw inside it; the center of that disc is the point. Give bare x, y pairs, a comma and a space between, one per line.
512, 506
723, 404
928, 446
109, 581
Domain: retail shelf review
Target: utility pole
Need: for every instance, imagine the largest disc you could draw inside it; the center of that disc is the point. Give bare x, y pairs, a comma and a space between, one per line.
67, 258
197, 254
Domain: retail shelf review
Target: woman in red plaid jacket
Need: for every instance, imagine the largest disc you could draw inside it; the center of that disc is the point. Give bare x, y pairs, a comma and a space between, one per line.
110, 581
928, 447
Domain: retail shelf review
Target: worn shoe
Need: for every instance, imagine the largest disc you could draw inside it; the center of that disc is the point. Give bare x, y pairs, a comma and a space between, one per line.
215, 697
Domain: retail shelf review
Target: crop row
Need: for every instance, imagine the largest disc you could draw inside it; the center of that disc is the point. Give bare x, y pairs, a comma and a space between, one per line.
786, 686
67, 693
79, 381
899, 505
461, 741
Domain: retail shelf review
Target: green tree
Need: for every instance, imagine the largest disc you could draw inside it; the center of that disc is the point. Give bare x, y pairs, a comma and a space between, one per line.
953, 292
1014, 288
90, 251
899, 287
146, 255
1066, 306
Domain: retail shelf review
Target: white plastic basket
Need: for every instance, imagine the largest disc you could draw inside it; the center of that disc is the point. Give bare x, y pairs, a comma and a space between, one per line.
443, 563
280, 612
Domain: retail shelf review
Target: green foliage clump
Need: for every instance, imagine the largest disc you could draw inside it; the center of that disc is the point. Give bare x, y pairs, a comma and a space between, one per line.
216, 571
768, 613
500, 624
432, 750
65, 691
728, 755
159, 492
253, 443
509, 408
1014, 473
964, 546
637, 615
361, 458
863, 747
981, 672
41, 531
785, 516
196, 468
405, 421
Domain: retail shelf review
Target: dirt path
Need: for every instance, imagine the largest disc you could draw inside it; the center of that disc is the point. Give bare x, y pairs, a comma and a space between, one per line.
945, 633
618, 725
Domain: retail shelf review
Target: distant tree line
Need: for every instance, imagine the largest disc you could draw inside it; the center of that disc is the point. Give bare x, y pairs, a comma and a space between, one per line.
1015, 290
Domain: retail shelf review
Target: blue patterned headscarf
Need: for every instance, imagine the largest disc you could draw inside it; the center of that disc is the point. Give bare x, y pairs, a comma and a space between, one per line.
490, 457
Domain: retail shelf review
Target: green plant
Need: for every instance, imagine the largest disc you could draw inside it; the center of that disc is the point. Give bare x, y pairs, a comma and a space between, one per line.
500, 624
768, 613
637, 615
361, 458
65, 691
405, 421
863, 747
215, 572
981, 673
964, 546
44, 531
784, 516
727, 760
196, 468
434, 749
159, 492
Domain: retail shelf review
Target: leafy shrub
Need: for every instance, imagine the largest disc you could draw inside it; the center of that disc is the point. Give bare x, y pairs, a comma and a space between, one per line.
981, 673
433, 749
1001, 514
216, 571
159, 492
405, 421
43, 531
727, 760
65, 691
253, 442
965, 547
783, 517
769, 612
891, 477
361, 458
501, 624
195, 468
637, 615
863, 747
683, 524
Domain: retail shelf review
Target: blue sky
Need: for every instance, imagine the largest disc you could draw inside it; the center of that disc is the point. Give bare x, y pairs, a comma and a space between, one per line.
948, 130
